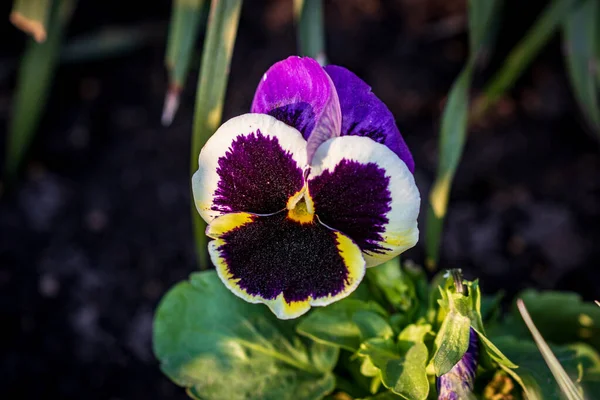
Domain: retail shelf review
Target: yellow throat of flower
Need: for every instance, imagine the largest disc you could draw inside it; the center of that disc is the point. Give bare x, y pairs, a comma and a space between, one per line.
299, 210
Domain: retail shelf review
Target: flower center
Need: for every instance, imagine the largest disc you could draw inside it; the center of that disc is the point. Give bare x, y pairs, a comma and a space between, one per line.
300, 213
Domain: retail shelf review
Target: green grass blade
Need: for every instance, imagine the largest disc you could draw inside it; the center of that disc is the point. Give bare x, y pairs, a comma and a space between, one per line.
33, 86
581, 36
566, 384
186, 19
522, 55
452, 138
214, 72
311, 36
31, 16
454, 128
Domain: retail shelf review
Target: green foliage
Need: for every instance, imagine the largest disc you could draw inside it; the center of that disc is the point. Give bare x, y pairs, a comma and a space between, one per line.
580, 21
311, 36
336, 324
33, 86
221, 347
565, 383
453, 129
220, 38
218, 346
452, 339
581, 35
537, 379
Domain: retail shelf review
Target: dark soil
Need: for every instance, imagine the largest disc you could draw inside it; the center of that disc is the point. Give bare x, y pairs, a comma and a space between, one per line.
98, 226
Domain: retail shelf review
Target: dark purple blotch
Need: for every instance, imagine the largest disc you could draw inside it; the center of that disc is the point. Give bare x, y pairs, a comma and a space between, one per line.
299, 115
354, 198
274, 255
256, 175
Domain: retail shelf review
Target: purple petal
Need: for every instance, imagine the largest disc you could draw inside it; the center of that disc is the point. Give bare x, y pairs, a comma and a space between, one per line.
298, 92
459, 381
363, 114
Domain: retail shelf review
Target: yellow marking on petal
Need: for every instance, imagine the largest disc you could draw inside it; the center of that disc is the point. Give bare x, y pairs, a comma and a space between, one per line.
292, 309
300, 213
226, 277
352, 257
226, 223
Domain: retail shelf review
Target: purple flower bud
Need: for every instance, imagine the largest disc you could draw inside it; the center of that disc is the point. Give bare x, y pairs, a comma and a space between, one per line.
457, 384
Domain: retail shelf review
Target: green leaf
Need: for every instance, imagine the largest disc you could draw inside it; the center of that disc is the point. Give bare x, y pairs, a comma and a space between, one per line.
581, 34
36, 71
397, 288
220, 37
311, 36
335, 324
561, 317
413, 333
453, 129
491, 352
452, 139
522, 55
372, 325
562, 378
533, 373
482, 27
242, 353
402, 366
186, 19
452, 340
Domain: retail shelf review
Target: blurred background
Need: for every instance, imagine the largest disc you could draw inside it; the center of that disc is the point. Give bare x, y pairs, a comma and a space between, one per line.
97, 226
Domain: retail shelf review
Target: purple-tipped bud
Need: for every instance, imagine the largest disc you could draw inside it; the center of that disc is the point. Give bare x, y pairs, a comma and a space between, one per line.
457, 384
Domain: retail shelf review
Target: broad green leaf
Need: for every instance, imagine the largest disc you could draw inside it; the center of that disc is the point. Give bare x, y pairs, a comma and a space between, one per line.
402, 366
533, 373
220, 37
581, 35
371, 324
335, 324
561, 317
397, 288
562, 378
221, 347
490, 308
413, 334
34, 81
311, 35
452, 340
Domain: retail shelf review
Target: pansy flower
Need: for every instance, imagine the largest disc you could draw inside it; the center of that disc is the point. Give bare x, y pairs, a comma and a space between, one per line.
308, 190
